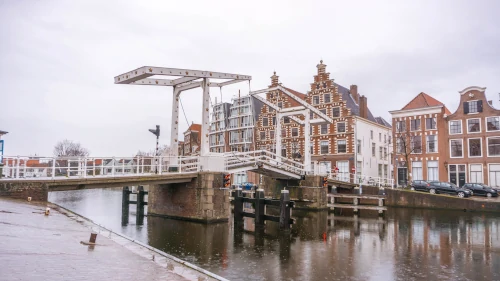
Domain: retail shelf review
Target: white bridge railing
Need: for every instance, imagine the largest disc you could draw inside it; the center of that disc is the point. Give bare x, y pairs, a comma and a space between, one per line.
236, 160
82, 167
362, 179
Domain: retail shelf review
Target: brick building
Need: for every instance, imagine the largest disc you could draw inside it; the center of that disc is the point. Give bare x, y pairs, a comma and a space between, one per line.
419, 133
192, 140
460, 147
473, 140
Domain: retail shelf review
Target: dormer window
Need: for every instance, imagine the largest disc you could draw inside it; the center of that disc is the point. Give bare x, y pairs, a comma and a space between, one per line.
473, 106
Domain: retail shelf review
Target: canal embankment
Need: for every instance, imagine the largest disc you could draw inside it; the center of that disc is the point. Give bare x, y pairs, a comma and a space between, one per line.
56, 247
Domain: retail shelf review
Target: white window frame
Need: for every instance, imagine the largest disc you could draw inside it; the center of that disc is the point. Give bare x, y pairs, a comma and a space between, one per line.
427, 129
468, 105
490, 177
345, 127
481, 171
486, 123
427, 144
344, 140
437, 168
314, 100
330, 97
297, 132
467, 123
340, 112
461, 127
418, 129
488, 147
412, 148
468, 147
449, 146
327, 147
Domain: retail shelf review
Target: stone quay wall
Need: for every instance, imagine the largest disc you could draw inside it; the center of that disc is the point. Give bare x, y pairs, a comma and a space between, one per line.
38, 191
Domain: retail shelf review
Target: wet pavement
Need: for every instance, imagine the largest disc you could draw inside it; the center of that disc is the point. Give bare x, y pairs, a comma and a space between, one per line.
38, 247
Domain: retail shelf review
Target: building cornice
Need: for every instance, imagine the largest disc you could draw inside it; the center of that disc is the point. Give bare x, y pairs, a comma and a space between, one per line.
371, 122
472, 88
416, 111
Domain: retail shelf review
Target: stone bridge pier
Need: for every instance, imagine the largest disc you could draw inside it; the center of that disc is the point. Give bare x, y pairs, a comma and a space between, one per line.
201, 200
308, 194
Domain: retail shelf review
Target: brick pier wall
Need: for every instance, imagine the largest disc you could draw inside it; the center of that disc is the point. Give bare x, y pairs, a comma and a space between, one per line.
38, 191
308, 194
200, 200
415, 199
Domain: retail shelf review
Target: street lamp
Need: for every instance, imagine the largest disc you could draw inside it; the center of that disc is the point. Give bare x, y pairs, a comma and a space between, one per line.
156, 132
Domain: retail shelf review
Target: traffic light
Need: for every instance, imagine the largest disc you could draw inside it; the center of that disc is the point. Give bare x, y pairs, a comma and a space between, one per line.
325, 181
227, 180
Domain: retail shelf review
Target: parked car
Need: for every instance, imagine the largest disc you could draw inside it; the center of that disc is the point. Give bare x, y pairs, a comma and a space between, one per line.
439, 187
481, 189
420, 185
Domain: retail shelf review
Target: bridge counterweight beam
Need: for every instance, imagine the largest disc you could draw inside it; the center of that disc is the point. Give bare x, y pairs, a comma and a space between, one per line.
175, 123
204, 149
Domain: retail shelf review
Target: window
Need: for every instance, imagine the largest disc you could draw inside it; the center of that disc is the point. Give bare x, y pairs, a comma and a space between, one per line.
385, 153
492, 124
271, 135
400, 126
324, 129
315, 99
493, 146
415, 125
380, 175
430, 123
286, 119
324, 147
358, 147
380, 137
474, 125
456, 148
323, 111
336, 112
283, 152
473, 106
311, 115
399, 146
432, 144
274, 121
341, 146
416, 170
295, 132
371, 134
380, 152
283, 133
432, 171
476, 173
455, 127
262, 135
416, 144
373, 149
280, 104
341, 127
264, 122
326, 98
474, 147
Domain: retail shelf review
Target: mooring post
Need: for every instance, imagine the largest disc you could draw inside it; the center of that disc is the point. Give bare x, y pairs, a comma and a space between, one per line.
125, 202
259, 207
238, 205
139, 219
285, 209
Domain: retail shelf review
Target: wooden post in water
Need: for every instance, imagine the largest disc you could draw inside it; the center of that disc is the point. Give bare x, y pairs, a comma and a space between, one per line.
139, 219
259, 207
285, 209
238, 205
125, 204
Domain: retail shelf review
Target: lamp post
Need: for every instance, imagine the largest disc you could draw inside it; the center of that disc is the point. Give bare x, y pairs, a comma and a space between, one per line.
156, 132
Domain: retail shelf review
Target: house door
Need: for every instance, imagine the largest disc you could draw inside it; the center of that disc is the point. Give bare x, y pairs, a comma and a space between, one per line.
343, 170
402, 177
457, 174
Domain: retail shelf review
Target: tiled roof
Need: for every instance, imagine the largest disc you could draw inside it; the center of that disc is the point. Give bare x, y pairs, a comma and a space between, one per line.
382, 121
195, 127
424, 100
350, 103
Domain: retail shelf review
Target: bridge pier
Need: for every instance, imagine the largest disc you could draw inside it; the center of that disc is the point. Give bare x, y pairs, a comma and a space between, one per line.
201, 200
308, 194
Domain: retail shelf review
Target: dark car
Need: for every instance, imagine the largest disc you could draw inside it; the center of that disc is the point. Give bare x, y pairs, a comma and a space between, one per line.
439, 187
420, 185
481, 189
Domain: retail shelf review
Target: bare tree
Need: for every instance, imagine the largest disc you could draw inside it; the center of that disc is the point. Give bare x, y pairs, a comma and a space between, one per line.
407, 143
70, 148
163, 150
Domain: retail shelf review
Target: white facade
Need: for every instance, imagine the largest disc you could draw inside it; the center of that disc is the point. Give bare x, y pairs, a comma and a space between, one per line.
373, 150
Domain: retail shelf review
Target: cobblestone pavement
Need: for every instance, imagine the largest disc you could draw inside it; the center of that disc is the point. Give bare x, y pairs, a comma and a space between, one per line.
38, 247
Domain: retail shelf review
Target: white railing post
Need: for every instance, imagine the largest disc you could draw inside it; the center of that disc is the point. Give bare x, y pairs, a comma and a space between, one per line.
93, 167
143, 164
18, 162
113, 167
102, 167
67, 171
84, 167
123, 166
160, 165
138, 165
180, 164
24, 169
53, 168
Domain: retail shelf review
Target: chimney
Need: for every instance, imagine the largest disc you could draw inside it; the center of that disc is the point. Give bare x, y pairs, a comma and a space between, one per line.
354, 93
274, 80
490, 102
363, 107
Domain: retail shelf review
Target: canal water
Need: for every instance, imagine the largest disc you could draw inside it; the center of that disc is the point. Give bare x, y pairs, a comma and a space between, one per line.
407, 244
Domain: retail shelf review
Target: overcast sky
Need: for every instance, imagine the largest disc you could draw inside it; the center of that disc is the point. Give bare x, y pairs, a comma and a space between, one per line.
58, 59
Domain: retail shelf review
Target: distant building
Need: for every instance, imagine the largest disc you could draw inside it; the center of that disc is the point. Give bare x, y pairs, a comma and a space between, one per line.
192, 140
2, 145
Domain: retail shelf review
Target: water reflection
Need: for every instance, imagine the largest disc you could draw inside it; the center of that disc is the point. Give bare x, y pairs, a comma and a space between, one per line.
405, 245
